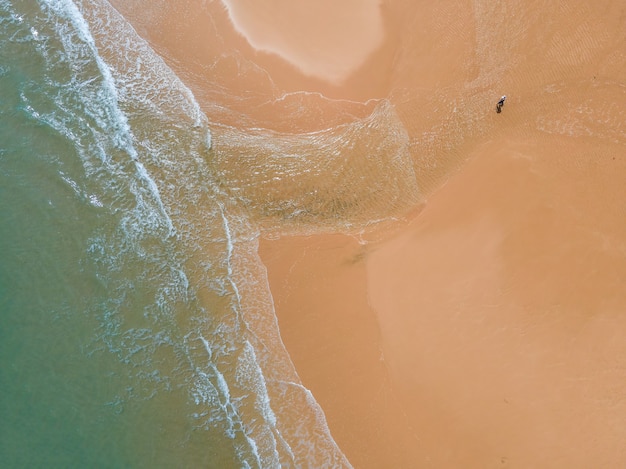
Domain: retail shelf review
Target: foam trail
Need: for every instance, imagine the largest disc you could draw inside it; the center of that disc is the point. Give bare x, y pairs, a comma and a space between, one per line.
123, 136
157, 122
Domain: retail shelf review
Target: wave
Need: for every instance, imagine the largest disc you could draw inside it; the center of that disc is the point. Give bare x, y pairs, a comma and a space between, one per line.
186, 307
337, 179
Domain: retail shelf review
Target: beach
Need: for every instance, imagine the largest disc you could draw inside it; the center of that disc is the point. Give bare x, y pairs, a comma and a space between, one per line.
300, 235
480, 327
486, 332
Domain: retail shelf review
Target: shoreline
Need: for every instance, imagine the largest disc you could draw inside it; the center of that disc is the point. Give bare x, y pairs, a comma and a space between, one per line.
475, 324
353, 30
486, 331
334, 340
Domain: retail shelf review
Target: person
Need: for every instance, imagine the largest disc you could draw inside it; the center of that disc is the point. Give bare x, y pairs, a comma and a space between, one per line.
500, 104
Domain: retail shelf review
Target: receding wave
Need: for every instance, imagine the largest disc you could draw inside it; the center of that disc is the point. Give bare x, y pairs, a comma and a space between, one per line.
237, 364
342, 177
183, 302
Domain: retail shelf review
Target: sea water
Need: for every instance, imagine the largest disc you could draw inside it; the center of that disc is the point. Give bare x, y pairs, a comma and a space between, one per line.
136, 324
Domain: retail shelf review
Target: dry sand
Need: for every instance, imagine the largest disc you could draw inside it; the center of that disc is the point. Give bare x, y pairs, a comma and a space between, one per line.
486, 330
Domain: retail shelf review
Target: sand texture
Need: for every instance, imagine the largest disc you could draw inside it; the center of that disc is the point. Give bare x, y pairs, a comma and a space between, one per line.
450, 282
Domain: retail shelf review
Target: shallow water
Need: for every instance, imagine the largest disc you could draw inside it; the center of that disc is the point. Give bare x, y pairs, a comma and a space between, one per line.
137, 329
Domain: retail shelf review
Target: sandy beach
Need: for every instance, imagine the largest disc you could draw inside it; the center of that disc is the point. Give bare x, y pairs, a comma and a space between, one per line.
488, 329
483, 326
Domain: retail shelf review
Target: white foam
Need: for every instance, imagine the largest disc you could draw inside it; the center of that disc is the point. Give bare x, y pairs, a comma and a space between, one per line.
242, 412
113, 118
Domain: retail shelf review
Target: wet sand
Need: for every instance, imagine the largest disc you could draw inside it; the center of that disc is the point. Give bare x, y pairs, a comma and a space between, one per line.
334, 339
488, 328
485, 330
352, 30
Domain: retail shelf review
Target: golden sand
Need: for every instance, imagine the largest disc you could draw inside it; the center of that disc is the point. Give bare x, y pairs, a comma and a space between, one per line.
325, 39
485, 329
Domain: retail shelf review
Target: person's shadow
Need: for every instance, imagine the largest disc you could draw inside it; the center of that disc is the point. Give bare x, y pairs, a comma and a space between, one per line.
498, 108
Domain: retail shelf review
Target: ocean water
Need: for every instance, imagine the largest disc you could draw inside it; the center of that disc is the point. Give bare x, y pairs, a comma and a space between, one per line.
137, 328
136, 324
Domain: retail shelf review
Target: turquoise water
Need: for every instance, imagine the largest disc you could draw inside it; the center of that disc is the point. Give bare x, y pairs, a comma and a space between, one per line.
136, 325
